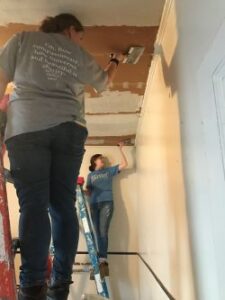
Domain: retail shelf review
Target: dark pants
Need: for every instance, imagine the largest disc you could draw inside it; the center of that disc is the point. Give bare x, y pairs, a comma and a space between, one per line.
45, 166
102, 213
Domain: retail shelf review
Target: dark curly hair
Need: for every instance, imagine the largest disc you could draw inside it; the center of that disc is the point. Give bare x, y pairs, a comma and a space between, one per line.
60, 23
93, 160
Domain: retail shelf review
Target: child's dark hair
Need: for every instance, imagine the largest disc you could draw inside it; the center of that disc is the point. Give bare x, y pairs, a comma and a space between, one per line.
60, 23
93, 160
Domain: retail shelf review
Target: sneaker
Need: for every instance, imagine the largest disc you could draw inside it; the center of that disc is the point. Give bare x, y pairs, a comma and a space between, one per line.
104, 269
33, 293
92, 274
15, 245
58, 292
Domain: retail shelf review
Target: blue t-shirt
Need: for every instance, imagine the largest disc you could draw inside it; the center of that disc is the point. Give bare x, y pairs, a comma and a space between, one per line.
99, 183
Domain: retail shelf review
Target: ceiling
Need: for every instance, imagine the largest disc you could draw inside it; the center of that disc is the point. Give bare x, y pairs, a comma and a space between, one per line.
97, 12
113, 115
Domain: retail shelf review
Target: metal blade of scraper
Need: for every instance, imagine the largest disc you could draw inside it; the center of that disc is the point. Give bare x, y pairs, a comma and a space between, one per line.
134, 54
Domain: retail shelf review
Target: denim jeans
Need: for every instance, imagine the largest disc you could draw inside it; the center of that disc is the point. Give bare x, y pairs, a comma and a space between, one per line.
45, 166
101, 214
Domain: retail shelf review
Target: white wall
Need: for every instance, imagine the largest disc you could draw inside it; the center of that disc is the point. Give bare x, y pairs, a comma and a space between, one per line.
163, 229
191, 49
202, 153
123, 232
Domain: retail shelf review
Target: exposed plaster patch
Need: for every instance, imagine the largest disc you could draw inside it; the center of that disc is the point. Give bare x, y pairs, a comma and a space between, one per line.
126, 85
117, 125
111, 85
134, 87
114, 102
114, 113
130, 85
95, 142
111, 140
141, 85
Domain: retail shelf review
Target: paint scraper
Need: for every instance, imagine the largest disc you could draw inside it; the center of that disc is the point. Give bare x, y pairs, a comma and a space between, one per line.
133, 55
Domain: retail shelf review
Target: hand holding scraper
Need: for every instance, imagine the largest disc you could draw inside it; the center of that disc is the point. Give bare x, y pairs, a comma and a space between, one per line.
132, 56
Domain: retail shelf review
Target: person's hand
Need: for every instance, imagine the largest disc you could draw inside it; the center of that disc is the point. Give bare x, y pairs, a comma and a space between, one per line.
120, 145
119, 56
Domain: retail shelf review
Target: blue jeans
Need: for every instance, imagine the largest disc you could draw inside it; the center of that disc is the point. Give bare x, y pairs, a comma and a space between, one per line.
101, 214
45, 166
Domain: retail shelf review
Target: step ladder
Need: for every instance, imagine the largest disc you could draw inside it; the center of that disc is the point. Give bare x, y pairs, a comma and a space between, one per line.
101, 284
8, 289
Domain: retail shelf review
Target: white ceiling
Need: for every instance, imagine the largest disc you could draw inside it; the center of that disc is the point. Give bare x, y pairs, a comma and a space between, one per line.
90, 12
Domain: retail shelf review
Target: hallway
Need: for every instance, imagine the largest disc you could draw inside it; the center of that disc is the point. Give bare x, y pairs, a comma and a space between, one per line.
167, 238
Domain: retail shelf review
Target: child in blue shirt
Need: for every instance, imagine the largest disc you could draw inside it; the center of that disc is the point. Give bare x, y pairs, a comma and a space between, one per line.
99, 186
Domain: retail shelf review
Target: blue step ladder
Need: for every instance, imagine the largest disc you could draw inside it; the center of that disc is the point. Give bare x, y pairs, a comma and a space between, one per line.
100, 282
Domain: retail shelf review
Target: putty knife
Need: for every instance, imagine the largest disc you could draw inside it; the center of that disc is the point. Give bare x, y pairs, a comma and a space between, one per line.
133, 55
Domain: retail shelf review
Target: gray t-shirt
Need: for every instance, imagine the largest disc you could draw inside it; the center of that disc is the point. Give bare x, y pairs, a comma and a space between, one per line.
50, 73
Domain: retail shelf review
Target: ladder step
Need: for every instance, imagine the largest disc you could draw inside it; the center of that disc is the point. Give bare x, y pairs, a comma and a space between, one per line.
92, 297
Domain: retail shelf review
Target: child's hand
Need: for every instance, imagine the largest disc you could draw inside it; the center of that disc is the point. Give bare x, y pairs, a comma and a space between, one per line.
121, 144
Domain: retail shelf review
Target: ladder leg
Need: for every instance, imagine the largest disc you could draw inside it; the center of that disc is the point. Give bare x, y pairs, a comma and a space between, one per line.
85, 219
8, 289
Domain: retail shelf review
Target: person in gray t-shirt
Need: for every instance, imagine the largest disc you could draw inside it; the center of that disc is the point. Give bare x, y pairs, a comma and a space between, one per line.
45, 136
